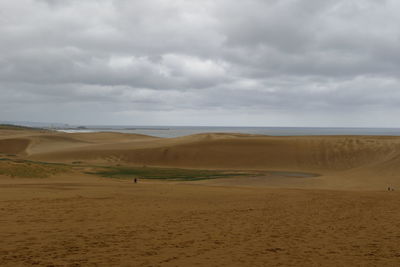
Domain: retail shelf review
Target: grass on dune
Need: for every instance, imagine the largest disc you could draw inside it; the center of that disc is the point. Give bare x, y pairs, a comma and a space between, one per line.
164, 173
35, 169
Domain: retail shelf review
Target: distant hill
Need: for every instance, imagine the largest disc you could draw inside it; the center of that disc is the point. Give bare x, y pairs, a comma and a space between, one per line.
17, 127
43, 125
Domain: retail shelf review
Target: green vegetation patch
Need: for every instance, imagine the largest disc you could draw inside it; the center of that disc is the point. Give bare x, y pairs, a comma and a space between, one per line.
164, 173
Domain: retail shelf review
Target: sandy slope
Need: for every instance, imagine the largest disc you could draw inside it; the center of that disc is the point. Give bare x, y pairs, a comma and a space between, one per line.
227, 151
72, 219
77, 220
353, 162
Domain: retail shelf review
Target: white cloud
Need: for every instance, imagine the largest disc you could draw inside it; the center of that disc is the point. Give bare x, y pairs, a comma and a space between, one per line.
249, 62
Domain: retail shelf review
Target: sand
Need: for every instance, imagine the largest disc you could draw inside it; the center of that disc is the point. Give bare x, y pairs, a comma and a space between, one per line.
78, 220
343, 162
345, 216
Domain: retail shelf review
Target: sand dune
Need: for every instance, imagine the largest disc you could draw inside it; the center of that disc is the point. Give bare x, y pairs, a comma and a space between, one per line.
343, 161
304, 153
229, 151
71, 219
14, 145
351, 160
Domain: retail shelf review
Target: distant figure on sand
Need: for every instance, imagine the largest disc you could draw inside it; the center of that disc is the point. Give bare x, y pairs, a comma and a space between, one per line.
135, 180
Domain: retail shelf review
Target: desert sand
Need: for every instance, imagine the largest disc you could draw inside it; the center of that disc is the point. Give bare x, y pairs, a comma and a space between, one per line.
343, 215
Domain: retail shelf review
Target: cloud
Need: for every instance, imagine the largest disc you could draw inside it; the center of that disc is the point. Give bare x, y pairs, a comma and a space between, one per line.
254, 62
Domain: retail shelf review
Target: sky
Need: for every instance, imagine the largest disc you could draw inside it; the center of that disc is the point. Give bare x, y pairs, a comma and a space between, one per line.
331, 63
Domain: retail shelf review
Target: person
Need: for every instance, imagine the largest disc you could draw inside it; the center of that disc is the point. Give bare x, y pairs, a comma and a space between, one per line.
135, 180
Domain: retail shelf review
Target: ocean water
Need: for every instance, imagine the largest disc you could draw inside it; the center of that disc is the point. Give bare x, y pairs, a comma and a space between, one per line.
176, 131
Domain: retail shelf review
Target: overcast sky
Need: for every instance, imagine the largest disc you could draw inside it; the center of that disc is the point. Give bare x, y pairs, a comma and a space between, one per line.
221, 62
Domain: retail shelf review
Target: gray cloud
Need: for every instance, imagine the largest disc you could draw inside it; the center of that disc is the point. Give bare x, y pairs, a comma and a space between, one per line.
254, 62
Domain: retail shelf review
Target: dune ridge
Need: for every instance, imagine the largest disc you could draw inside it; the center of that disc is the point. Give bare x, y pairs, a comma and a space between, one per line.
76, 217
239, 151
355, 158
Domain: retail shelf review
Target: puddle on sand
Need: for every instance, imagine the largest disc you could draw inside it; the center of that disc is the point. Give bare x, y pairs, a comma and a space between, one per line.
293, 174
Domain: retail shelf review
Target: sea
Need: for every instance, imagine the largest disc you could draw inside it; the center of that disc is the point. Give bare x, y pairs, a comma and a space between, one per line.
177, 131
